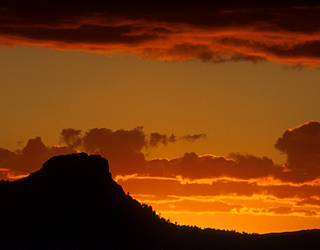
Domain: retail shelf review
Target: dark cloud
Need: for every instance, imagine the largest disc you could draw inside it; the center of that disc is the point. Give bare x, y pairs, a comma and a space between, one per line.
98, 34
300, 196
302, 147
122, 148
71, 137
173, 190
188, 51
238, 57
306, 49
288, 189
280, 210
156, 139
290, 210
245, 167
310, 201
222, 13
192, 138
169, 30
29, 159
60, 150
193, 51
6, 154
192, 166
207, 176
116, 143
197, 206
35, 148
249, 166
223, 195
124, 151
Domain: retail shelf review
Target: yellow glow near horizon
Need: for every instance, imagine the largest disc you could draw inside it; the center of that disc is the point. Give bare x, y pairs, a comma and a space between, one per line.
240, 107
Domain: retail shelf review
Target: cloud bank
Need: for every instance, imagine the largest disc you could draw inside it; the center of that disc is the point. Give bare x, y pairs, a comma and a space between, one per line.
124, 150
209, 32
240, 184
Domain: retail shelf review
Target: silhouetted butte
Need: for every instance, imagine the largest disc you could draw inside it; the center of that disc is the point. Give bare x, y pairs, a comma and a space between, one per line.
73, 203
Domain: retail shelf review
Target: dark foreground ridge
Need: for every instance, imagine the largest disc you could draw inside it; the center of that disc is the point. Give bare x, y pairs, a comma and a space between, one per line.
73, 203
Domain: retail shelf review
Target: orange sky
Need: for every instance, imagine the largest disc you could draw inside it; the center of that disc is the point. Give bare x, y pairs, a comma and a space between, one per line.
207, 113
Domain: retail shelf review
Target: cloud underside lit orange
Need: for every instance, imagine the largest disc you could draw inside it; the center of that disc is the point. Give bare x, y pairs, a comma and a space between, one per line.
230, 204
238, 185
289, 36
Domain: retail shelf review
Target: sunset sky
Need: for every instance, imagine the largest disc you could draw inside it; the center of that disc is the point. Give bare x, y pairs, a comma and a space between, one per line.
209, 113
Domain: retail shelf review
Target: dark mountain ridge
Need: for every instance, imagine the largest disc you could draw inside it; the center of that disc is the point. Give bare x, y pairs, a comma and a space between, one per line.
73, 203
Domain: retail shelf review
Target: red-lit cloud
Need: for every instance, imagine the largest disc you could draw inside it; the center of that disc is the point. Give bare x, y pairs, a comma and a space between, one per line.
210, 32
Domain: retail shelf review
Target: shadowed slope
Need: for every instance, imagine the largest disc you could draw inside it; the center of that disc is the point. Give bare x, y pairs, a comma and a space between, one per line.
73, 203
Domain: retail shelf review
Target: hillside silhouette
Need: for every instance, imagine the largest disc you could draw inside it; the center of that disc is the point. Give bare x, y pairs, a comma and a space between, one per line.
72, 202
